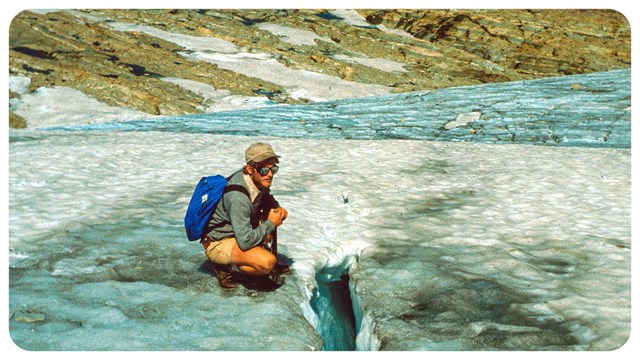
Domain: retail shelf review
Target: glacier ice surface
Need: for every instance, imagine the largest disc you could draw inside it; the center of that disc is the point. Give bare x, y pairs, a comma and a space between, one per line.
458, 246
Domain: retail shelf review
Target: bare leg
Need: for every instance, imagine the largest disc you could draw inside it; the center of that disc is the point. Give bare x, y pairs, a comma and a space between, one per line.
255, 261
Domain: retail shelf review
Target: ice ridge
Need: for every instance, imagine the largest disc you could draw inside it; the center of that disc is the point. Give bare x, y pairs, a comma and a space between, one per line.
591, 110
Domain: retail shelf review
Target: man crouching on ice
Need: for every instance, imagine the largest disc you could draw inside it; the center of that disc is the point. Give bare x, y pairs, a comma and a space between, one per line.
236, 233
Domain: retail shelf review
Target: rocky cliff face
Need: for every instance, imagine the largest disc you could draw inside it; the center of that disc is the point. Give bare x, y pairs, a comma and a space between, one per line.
431, 49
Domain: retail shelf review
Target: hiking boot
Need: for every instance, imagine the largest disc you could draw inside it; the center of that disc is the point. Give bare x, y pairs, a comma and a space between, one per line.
225, 277
282, 269
276, 280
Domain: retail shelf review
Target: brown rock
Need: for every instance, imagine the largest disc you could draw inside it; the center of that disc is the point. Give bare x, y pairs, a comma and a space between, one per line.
346, 73
525, 43
318, 59
16, 122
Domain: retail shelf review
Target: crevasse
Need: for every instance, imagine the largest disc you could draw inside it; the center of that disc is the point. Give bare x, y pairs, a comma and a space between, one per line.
337, 315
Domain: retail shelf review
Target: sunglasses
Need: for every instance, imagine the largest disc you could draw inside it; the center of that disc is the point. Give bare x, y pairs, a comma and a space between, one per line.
265, 170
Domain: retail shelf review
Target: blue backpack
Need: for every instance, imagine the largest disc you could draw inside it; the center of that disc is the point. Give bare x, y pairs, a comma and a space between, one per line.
203, 202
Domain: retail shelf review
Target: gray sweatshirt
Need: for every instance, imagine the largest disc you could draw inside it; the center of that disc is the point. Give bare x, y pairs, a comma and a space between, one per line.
236, 215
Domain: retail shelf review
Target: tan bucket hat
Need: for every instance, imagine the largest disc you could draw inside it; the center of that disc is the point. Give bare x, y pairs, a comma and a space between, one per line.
259, 152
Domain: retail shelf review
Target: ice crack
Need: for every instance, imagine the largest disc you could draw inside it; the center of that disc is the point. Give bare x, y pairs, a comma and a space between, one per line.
337, 322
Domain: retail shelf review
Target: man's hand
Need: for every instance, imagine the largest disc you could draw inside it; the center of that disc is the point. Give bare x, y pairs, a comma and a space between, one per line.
277, 216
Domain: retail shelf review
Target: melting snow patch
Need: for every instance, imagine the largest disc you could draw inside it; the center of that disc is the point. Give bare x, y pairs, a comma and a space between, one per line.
220, 100
376, 63
293, 35
228, 56
353, 18
19, 84
52, 106
187, 41
299, 83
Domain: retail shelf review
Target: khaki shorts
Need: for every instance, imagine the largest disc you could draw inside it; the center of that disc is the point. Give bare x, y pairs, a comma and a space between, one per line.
220, 251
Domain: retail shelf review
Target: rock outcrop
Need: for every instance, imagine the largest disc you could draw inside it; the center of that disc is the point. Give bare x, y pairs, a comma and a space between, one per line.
436, 48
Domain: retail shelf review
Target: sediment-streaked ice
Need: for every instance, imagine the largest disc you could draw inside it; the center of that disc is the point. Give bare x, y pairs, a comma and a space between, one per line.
537, 112
450, 245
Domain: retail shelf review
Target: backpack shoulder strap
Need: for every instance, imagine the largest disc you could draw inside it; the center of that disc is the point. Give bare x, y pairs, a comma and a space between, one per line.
236, 187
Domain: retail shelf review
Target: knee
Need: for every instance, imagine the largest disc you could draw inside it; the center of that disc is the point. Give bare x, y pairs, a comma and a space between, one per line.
266, 264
